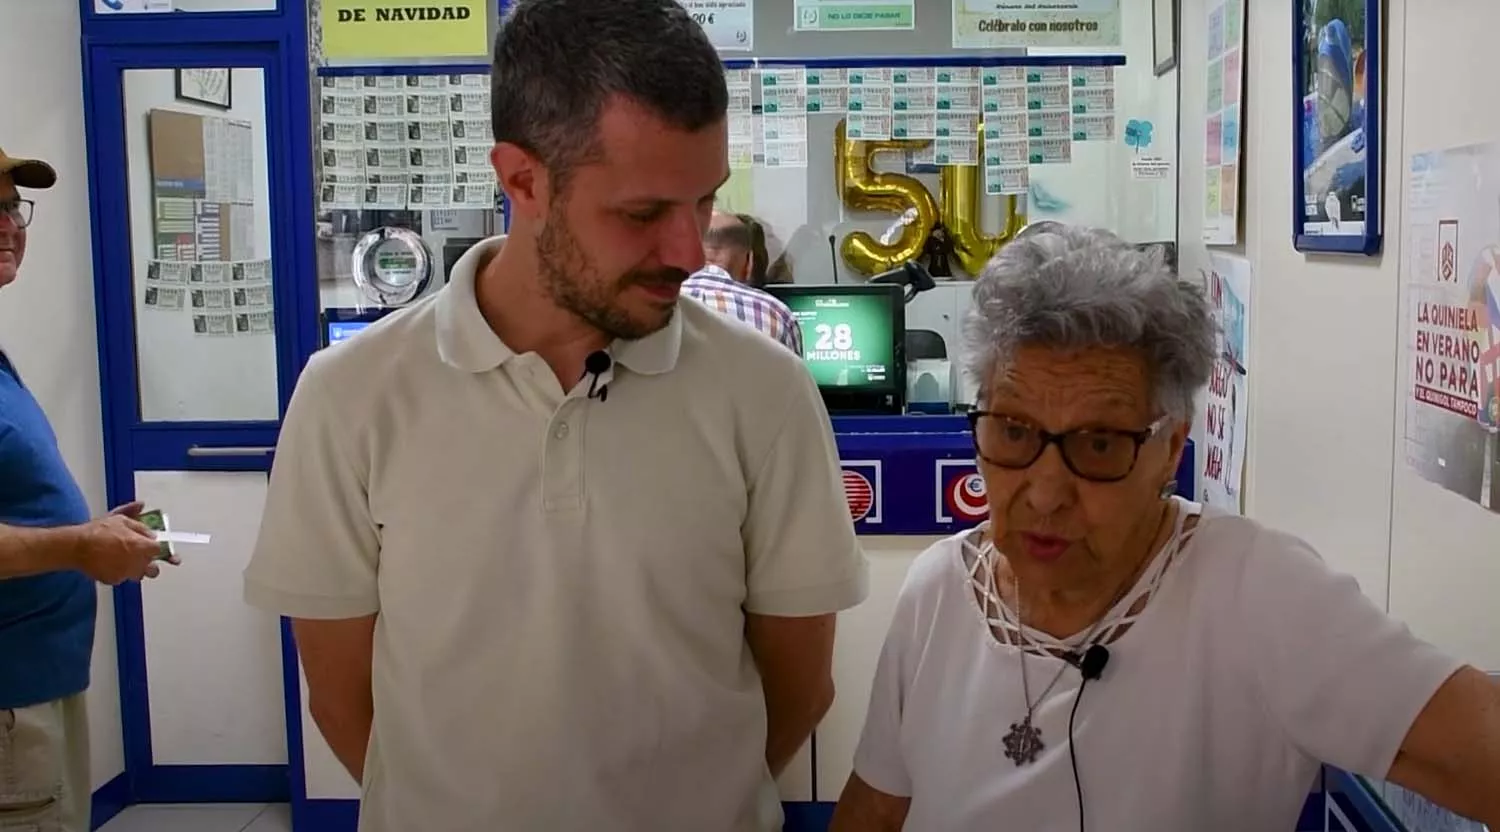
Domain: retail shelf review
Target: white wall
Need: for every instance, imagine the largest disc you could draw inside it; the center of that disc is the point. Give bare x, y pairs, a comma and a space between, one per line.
1444, 564
47, 316
184, 376
1327, 386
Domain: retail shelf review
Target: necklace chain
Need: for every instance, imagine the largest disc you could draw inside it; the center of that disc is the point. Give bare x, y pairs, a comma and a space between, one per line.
1088, 638
1023, 742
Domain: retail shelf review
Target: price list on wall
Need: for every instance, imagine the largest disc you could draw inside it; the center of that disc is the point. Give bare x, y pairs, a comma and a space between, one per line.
414, 142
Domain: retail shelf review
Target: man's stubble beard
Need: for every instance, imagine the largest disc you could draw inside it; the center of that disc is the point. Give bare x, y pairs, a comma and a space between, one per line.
564, 271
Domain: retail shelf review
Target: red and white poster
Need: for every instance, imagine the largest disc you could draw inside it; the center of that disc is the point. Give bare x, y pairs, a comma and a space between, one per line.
1226, 407
1451, 330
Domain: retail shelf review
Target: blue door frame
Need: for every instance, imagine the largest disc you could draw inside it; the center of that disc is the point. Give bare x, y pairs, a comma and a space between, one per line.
276, 43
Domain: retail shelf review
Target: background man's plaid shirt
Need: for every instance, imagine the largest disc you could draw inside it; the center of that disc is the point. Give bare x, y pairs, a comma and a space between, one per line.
713, 287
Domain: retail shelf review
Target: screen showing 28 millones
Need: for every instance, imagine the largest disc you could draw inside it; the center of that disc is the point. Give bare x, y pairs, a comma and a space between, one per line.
846, 339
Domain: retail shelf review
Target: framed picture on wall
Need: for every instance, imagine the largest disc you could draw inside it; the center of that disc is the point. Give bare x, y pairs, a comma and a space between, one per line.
1164, 35
203, 85
1337, 68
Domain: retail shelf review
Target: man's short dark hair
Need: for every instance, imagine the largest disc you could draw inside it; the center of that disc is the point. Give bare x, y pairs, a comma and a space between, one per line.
557, 62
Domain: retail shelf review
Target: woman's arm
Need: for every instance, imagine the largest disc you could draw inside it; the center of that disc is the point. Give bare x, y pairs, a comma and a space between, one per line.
863, 808
1451, 755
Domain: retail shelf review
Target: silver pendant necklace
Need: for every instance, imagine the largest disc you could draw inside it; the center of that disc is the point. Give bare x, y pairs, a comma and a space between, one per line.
1023, 742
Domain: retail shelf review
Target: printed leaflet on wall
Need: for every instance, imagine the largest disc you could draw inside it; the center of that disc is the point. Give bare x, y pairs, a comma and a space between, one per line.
854, 15
1227, 406
1451, 279
1221, 143
993, 24
384, 29
730, 24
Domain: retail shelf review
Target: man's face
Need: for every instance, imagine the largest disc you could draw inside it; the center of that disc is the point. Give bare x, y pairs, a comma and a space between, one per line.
623, 233
727, 256
12, 235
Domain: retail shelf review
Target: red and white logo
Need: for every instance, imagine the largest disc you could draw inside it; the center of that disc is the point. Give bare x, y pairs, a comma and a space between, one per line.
966, 498
860, 493
960, 492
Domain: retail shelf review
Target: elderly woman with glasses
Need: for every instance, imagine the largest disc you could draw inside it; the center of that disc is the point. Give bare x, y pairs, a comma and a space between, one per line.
1101, 652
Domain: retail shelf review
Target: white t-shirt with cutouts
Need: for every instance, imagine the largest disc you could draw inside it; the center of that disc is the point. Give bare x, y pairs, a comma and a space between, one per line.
1249, 664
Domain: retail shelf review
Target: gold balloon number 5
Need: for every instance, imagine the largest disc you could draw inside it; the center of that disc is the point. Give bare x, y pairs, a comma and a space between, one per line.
863, 188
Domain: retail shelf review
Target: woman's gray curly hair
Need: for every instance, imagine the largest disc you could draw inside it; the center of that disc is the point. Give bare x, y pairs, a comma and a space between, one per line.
1069, 287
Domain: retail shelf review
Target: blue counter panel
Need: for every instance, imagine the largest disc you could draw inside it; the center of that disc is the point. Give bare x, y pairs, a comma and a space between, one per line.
915, 475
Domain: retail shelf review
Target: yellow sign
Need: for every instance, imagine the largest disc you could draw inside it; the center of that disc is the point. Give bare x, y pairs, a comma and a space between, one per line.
382, 29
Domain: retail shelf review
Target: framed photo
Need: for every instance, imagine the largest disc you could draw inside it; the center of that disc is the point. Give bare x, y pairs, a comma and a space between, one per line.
206, 86
1337, 69
1164, 35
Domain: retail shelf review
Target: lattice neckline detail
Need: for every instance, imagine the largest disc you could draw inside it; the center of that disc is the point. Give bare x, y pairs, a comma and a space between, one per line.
979, 561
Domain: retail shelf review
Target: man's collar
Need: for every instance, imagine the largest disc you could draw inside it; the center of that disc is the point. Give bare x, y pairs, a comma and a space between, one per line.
713, 272
464, 337
465, 340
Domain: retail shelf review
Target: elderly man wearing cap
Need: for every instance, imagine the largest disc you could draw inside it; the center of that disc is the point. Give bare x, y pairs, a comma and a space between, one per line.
49, 552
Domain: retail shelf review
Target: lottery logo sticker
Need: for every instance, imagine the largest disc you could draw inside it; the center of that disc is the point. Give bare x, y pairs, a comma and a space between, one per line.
966, 497
860, 493
959, 492
862, 490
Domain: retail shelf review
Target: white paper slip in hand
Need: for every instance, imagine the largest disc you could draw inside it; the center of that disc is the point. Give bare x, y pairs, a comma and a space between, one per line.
191, 538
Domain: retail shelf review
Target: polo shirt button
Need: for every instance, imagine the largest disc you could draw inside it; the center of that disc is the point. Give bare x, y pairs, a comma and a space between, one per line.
561, 432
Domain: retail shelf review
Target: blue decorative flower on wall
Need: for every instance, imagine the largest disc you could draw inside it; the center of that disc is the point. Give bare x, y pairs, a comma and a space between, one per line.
1138, 134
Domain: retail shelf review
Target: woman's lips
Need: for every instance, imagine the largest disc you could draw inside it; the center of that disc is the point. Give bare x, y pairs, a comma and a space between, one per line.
1044, 547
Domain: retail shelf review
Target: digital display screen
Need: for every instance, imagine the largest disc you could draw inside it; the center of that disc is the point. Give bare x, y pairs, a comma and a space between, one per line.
343, 330
848, 339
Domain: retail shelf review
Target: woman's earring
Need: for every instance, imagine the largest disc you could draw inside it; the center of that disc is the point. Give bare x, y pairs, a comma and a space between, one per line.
1168, 488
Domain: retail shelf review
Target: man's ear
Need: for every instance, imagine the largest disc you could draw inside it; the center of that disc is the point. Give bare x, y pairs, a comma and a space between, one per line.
524, 179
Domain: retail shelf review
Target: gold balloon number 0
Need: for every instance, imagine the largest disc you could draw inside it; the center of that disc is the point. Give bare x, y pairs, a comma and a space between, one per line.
864, 188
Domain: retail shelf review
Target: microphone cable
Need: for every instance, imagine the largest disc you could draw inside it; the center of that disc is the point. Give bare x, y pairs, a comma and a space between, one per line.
1073, 754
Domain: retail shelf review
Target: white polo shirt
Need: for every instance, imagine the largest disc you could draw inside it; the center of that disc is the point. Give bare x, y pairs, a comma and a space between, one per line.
561, 582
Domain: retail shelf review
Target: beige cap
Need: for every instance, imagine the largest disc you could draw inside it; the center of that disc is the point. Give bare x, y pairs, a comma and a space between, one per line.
28, 173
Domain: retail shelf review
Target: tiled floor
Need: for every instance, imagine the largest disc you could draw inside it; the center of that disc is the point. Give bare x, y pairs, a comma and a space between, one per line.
208, 817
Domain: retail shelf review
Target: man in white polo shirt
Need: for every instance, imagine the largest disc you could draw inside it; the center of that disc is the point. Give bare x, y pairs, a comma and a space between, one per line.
562, 552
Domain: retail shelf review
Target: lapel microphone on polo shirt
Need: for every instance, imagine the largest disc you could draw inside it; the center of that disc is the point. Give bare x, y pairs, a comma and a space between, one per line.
596, 365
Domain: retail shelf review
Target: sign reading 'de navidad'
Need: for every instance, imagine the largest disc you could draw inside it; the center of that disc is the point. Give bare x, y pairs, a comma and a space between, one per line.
383, 29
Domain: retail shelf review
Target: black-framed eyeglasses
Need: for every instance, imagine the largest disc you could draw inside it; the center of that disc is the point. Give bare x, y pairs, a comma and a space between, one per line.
1095, 454
19, 211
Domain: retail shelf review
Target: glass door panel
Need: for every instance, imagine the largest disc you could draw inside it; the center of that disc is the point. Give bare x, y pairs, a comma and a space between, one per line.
200, 244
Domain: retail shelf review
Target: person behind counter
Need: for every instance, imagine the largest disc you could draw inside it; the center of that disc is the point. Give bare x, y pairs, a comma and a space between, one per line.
562, 552
1225, 660
726, 283
736, 243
